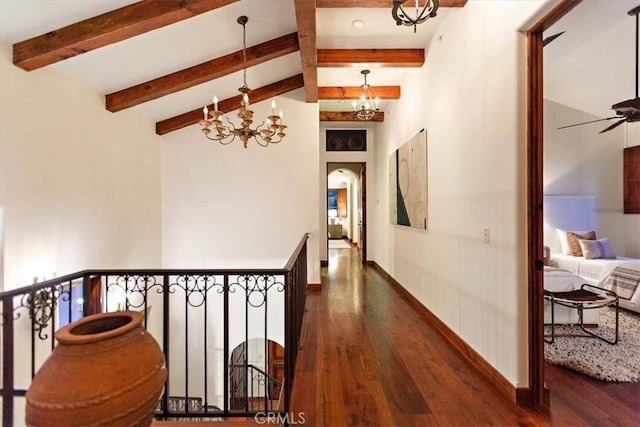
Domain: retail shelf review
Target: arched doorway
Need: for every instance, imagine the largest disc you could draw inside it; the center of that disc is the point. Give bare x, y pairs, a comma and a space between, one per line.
256, 375
346, 207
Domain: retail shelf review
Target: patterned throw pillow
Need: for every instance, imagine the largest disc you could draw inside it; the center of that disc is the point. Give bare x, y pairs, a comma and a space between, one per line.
597, 249
573, 241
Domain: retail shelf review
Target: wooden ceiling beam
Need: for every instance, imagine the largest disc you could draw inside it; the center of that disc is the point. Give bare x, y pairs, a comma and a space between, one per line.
378, 3
230, 104
347, 116
353, 92
370, 57
106, 29
306, 21
201, 73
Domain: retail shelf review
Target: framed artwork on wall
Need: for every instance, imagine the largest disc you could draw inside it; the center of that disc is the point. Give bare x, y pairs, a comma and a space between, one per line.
346, 140
337, 202
408, 183
332, 199
631, 180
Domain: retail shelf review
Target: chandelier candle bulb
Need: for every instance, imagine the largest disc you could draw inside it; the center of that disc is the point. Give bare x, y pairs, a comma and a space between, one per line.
205, 110
226, 133
365, 108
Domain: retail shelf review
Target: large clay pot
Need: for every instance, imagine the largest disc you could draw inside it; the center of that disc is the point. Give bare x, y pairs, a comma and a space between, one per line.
106, 370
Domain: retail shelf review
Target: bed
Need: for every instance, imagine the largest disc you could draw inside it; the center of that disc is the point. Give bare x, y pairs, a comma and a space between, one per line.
570, 226
606, 273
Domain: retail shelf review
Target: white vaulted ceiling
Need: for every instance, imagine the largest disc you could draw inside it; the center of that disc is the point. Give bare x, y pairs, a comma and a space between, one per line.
592, 65
597, 48
213, 34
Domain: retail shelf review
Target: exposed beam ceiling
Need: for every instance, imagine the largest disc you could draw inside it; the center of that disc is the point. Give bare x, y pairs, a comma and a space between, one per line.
353, 92
106, 29
201, 73
230, 104
148, 15
378, 3
306, 21
347, 116
379, 57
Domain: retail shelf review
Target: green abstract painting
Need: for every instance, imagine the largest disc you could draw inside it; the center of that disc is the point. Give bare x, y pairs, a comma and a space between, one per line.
408, 183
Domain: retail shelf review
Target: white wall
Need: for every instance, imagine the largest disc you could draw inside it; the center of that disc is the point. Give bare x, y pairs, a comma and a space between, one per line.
366, 157
470, 98
580, 161
79, 186
231, 207
227, 206
599, 29
354, 214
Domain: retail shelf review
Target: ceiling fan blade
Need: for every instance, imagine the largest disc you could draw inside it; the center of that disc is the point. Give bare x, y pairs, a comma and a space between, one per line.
613, 126
551, 38
592, 121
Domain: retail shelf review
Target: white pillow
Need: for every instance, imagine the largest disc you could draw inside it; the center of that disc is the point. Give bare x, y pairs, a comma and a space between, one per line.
564, 244
601, 248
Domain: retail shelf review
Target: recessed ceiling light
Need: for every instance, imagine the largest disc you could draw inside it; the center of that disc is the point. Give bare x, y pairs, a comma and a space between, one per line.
358, 23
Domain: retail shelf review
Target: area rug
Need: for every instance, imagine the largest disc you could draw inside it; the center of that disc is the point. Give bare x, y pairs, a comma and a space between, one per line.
595, 358
339, 244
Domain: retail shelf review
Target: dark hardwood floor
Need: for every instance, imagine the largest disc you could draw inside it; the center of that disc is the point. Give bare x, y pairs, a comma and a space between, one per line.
369, 359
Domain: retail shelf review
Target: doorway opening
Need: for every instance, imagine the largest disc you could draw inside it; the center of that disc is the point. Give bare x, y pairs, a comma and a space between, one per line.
346, 208
256, 374
538, 393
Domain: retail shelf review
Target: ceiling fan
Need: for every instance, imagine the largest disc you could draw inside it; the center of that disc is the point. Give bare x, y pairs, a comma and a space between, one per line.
629, 110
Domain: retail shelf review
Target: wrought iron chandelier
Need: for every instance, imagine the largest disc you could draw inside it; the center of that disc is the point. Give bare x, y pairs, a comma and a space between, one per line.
270, 131
429, 10
365, 107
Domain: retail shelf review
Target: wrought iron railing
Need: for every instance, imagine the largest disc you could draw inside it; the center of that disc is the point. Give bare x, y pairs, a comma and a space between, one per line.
264, 390
206, 321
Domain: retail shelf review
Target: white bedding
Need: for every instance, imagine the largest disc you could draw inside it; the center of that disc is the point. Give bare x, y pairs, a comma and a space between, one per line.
597, 271
560, 280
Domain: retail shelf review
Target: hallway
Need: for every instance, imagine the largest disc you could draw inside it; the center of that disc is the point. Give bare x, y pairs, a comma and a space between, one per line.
368, 358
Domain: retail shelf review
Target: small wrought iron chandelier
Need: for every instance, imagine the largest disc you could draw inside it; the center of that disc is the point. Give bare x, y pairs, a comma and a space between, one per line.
429, 10
365, 107
270, 131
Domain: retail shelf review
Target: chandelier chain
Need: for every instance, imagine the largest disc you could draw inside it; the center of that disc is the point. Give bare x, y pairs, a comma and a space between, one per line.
244, 54
270, 131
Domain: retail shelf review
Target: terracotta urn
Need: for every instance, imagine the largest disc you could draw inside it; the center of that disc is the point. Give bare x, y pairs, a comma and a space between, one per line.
106, 370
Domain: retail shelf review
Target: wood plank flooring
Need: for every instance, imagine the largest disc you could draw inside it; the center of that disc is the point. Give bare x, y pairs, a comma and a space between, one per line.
368, 359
